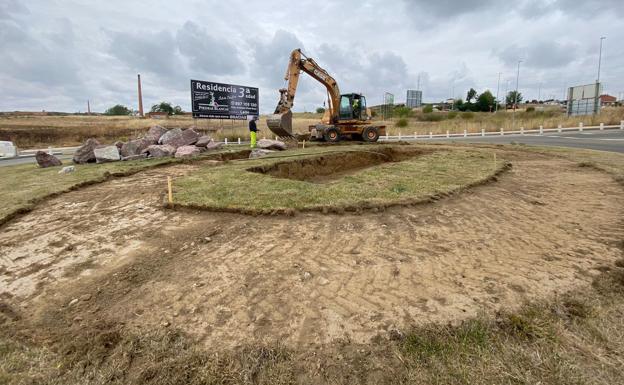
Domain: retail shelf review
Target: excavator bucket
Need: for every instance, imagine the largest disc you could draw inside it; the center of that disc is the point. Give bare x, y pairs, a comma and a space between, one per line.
280, 124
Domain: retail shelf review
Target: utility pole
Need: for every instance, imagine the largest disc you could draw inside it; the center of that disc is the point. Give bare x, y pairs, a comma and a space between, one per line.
140, 96
88, 107
513, 116
539, 92
497, 89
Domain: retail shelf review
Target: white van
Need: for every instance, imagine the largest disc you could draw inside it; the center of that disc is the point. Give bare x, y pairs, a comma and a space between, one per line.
7, 149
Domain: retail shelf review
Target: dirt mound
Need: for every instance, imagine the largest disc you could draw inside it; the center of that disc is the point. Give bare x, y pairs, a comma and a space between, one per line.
336, 165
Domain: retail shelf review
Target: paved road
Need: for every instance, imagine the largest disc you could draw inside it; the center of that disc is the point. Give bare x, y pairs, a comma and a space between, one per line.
607, 140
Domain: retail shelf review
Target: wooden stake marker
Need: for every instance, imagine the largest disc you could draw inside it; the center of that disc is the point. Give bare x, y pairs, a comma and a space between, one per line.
169, 190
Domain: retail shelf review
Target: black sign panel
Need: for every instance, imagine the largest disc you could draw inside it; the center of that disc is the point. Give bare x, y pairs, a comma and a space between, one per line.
211, 100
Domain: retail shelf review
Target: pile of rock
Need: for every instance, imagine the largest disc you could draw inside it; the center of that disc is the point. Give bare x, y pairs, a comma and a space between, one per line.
158, 142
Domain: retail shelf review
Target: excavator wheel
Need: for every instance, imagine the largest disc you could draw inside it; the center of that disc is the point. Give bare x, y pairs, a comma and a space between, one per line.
370, 134
332, 135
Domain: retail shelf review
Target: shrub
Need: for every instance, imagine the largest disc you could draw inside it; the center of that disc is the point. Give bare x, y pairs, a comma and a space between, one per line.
320, 110
452, 115
402, 112
401, 122
467, 115
428, 109
530, 109
118, 109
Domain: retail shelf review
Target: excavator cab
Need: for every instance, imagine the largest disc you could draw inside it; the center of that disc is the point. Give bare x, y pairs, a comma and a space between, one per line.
352, 107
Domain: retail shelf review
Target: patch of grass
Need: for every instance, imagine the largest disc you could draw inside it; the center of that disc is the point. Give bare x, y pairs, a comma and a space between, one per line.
233, 187
25, 185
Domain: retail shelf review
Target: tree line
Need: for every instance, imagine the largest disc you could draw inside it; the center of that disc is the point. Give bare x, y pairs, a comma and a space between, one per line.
120, 109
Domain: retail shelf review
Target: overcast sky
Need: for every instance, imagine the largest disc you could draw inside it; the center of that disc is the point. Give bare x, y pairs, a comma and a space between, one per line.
56, 54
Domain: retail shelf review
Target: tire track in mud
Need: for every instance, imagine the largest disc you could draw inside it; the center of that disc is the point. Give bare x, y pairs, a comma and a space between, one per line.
544, 228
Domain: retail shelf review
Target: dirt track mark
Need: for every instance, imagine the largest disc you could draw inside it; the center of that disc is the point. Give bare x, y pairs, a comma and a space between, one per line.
543, 228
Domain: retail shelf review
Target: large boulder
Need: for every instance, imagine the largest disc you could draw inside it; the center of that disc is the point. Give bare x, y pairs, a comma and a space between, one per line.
259, 153
84, 153
187, 151
119, 144
178, 138
269, 144
104, 154
154, 133
212, 146
203, 141
167, 136
134, 147
160, 151
47, 160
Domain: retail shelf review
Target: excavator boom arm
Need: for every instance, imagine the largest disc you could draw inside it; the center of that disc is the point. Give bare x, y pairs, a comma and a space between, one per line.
281, 122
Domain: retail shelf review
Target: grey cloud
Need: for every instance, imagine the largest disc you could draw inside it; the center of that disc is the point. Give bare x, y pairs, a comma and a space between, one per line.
44, 58
153, 52
589, 8
541, 54
207, 53
8, 8
449, 8
271, 58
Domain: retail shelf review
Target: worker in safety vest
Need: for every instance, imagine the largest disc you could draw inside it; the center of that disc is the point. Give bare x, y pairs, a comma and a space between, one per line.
356, 108
253, 130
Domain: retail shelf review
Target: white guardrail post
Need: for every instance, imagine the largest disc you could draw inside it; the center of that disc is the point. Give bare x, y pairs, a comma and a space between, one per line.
521, 130
430, 135
238, 140
502, 132
387, 135
415, 135
601, 126
621, 124
399, 135
465, 133
483, 132
541, 130
226, 141
581, 126
447, 134
559, 128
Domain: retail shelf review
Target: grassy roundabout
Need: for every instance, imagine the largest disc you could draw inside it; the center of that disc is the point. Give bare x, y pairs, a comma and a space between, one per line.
346, 178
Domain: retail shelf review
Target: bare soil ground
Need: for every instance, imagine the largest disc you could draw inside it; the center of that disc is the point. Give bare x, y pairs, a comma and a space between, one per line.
545, 227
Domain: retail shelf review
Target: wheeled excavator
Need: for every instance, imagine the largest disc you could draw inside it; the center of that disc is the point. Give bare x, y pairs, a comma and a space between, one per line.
346, 116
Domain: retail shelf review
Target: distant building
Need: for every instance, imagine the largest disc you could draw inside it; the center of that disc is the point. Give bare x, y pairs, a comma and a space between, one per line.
607, 100
414, 98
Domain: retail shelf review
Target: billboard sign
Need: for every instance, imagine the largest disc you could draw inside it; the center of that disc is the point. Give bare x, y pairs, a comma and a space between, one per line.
210, 100
584, 100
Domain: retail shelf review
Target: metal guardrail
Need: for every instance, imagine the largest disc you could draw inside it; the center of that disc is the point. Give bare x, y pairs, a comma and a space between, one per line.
502, 132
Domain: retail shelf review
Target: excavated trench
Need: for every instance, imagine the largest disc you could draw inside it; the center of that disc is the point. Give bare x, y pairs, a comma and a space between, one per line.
329, 167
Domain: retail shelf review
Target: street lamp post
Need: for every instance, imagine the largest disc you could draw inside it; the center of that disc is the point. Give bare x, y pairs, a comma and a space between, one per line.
497, 89
600, 59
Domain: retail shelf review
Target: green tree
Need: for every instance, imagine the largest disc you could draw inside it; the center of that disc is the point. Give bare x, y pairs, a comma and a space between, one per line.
459, 105
118, 109
513, 96
168, 108
485, 102
428, 109
320, 110
472, 94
